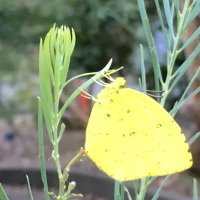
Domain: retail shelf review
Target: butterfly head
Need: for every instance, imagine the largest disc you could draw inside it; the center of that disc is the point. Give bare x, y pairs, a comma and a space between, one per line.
119, 82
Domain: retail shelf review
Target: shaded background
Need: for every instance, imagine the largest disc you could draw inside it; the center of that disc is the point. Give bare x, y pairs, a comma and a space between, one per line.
104, 30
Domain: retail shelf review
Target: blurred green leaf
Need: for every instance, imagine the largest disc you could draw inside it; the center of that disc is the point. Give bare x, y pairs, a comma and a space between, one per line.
195, 190
3, 195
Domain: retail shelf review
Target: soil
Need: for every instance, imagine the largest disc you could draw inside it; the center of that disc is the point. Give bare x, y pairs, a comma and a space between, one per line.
21, 193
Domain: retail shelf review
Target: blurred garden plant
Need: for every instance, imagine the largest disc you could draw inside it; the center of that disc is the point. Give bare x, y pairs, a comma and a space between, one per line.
54, 60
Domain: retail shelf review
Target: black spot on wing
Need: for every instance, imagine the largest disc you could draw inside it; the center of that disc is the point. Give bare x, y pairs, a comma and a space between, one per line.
132, 133
158, 125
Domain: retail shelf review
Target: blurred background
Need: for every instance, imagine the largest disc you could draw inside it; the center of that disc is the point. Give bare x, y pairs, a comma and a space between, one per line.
104, 30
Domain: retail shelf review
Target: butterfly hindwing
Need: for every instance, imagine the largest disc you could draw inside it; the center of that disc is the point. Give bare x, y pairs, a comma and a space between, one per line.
129, 136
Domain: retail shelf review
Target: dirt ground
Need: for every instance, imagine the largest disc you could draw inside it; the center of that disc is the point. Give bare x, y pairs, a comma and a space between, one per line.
21, 151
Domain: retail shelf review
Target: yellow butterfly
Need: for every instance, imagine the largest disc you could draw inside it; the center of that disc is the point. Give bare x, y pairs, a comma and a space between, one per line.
130, 136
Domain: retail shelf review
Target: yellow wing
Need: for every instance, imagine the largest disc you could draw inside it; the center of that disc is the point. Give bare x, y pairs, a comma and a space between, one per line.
129, 136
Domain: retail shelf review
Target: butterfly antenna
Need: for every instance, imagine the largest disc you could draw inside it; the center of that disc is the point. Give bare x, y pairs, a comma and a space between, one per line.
155, 96
107, 76
154, 91
87, 95
100, 82
110, 78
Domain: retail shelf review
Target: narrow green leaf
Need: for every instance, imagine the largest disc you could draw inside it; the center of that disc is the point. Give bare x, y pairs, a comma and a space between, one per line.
196, 75
194, 36
182, 69
117, 195
153, 178
127, 192
182, 103
195, 190
3, 195
143, 188
48, 54
143, 73
52, 195
169, 16
174, 107
45, 89
51, 52
164, 30
67, 55
149, 36
195, 6
181, 25
74, 196
193, 3
29, 188
122, 190
135, 186
176, 3
157, 194
62, 129
192, 140
140, 84
41, 150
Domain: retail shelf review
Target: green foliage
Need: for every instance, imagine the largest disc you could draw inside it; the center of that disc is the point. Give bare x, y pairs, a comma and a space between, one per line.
195, 190
54, 60
173, 17
3, 195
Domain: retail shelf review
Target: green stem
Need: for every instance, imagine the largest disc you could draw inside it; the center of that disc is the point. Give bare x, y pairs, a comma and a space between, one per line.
41, 150
174, 54
80, 154
122, 190
66, 171
56, 158
143, 188
3, 195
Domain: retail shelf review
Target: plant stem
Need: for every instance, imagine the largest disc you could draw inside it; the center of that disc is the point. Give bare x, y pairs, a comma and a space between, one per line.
173, 55
66, 171
143, 188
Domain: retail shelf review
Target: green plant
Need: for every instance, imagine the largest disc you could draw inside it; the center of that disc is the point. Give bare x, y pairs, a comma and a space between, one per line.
55, 55
173, 17
54, 60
